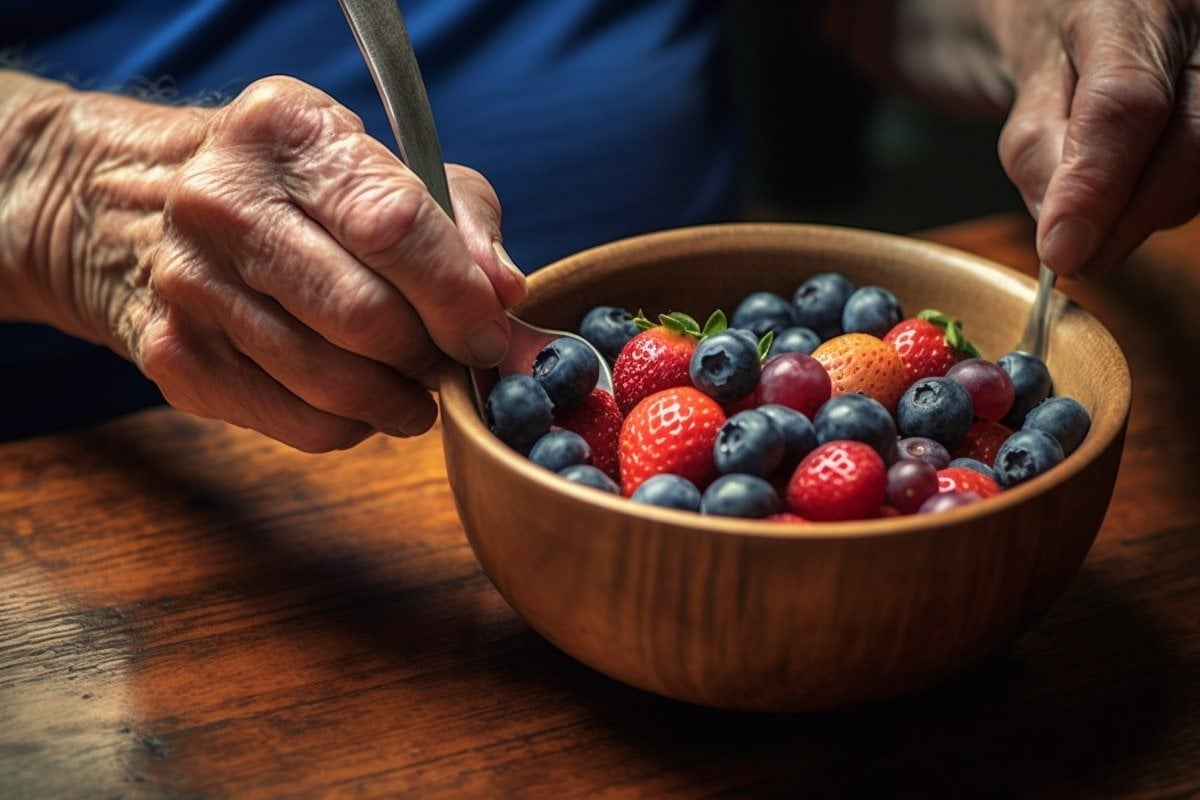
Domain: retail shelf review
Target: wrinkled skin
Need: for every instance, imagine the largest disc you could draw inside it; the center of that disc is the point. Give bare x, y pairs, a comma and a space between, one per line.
266, 263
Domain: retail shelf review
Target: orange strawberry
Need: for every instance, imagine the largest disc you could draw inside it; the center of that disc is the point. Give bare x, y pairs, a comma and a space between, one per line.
658, 357
929, 344
670, 431
862, 363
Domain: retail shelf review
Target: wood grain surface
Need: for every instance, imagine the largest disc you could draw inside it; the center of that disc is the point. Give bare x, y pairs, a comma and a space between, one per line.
190, 610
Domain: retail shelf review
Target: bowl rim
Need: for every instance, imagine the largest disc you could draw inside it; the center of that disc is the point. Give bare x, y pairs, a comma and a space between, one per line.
457, 399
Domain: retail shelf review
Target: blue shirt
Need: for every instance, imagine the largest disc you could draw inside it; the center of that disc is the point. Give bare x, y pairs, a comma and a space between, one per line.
593, 120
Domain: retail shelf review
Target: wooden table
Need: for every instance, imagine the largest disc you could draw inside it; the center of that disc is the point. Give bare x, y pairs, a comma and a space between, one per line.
190, 610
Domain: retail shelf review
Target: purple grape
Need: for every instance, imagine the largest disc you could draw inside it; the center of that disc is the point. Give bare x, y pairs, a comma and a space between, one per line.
990, 387
925, 449
944, 501
910, 482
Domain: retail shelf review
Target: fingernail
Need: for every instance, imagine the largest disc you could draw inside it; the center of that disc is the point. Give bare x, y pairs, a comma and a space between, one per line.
488, 343
1068, 245
507, 261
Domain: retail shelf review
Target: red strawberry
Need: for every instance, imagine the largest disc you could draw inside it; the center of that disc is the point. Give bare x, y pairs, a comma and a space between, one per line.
659, 356
598, 420
929, 344
673, 431
838, 480
982, 441
965, 479
860, 362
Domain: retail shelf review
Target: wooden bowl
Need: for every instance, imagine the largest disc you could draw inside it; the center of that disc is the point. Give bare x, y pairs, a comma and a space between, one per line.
756, 615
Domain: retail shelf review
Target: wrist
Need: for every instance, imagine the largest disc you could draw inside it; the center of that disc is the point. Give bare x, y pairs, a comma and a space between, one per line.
85, 177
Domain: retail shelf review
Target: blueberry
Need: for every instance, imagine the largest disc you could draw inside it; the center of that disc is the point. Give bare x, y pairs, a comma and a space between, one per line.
975, 464
1031, 382
1024, 455
519, 411
1064, 418
608, 328
857, 417
871, 309
560, 449
568, 370
763, 311
668, 491
799, 436
925, 449
587, 475
935, 408
748, 442
738, 495
725, 365
794, 340
819, 302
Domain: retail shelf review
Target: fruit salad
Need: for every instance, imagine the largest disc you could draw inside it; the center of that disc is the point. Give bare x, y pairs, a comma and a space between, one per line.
829, 405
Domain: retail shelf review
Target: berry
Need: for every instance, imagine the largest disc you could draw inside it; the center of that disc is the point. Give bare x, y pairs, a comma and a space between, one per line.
799, 436
748, 442
857, 417
1026, 455
870, 309
670, 431
608, 328
991, 389
738, 495
1064, 418
819, 302
568, 370
760, 312
587, 475
910, 482
964, 479
837, 481
598, 420
975, 464
929, 344
668, 491
935, 408
794, 380
945, 501
518, 411
859, 363
794, 340
982, 441
1031, 384
657, 358
560, 449
924, 448
725, 365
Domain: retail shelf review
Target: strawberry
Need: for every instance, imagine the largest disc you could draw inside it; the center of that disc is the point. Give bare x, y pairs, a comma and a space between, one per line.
598, 420
929, 344
965, 479
671, 431
841, 479
982, 441
862, 363
659, 356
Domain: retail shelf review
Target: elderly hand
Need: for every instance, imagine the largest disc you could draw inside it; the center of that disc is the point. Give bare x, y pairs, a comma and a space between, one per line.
266, 263
1103, 139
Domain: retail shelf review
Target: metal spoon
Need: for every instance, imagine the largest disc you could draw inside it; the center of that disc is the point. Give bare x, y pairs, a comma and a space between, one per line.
383, 40
1037, 329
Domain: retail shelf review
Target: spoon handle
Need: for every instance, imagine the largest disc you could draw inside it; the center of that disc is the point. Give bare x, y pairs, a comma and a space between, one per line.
383, 39
1037, 329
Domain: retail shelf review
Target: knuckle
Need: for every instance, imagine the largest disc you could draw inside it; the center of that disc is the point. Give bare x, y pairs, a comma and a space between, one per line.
383, 219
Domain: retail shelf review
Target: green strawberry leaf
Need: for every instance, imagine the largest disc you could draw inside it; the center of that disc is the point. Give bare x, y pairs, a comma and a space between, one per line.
764, 346
955, 338
715, 323
679, 322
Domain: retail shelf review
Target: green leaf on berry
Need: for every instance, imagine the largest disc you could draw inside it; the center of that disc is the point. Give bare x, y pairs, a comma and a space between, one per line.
679, 322
715, 323
764, 346
955, 338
